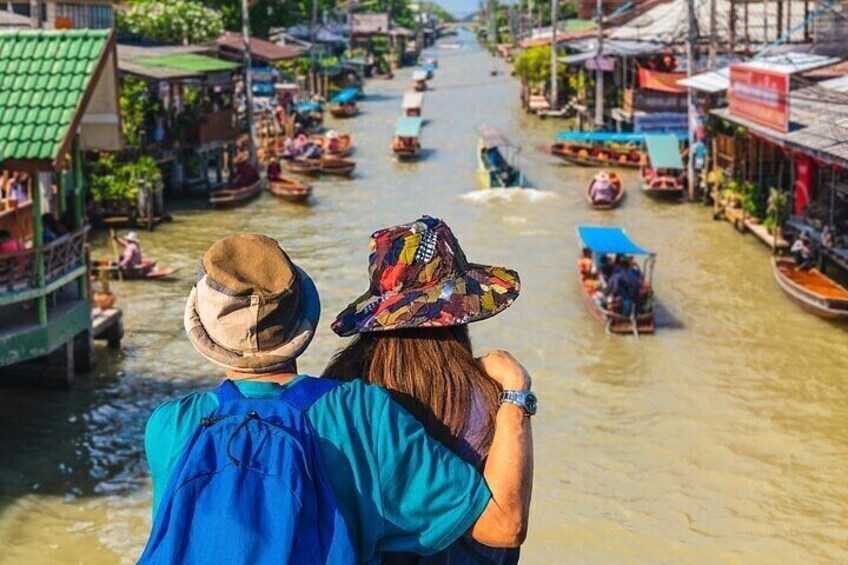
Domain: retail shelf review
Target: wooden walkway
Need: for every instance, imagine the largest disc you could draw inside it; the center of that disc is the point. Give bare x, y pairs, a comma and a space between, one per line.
107, 325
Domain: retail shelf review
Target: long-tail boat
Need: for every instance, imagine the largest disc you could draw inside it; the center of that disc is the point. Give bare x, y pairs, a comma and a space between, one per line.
618, 317
289, 189
663, 175
145, 271
812, 290
406, 143
343, 104
615, 181
599, 149
497, 159
235, 196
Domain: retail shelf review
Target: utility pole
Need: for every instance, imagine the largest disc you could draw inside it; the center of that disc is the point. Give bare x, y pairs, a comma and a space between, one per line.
350, 27
492, 32
711, 62
248, 80
313, 39
35, 7
599, 74
691, 36
554, 86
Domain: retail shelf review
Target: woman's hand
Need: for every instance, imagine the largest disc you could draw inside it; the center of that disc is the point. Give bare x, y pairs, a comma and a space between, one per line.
504, 368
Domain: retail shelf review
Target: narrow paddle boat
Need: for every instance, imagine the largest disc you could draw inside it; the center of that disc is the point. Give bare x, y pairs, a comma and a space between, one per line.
629, 308
334, 144
302, 166
497, 160
406, 143
235, 196
289, 189
812, 290
663, 175
145, 271
609, 198
314, 111
336, 166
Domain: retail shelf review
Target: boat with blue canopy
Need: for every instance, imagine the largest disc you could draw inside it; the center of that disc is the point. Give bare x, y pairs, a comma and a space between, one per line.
430, 69
312, 110
343, 103
419, 80
497, 160
407, 140
616, 279
662, 175
599, 149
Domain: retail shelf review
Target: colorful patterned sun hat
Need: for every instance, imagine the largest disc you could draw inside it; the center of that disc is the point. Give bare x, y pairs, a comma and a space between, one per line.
420, 278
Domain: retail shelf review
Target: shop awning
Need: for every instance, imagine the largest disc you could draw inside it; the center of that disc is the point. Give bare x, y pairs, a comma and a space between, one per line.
664, 152
609, 240
412, 100
408, 127
661, 82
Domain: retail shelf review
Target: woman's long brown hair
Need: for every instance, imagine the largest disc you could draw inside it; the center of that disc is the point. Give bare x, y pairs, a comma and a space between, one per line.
431, 372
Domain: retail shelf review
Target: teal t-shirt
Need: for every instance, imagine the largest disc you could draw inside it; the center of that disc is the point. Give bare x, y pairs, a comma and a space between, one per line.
398, 489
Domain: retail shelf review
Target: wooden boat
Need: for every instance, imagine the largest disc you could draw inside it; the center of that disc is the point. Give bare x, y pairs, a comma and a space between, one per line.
343, 110
146, 271
302, 166
343, 104
289, 189
497, 160
596, 156
663, 175
419, 81
336, 166
344, 145
608, 241
812, 290
615, 180
235, 196
406, 143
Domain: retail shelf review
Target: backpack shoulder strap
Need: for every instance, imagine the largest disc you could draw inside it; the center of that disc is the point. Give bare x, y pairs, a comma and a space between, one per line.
227, 391
305, 392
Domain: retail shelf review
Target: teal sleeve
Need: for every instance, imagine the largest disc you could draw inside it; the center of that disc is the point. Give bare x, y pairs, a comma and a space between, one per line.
168, 430
430, 497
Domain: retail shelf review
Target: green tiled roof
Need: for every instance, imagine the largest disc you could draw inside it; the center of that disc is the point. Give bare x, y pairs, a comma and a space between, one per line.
190, 62
43, 76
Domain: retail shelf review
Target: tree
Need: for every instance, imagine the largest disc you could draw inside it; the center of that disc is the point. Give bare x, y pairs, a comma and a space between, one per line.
173, 21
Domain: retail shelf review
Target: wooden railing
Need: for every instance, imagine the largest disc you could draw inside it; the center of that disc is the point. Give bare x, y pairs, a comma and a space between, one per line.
19, 270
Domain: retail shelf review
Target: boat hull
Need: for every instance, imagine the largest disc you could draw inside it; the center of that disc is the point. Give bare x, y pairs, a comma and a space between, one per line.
146, 271
811, 290
607, 205
233, 197
583, 158
290, 189
613, 322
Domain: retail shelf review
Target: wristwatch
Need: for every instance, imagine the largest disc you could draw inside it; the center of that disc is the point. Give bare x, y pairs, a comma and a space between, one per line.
524, 399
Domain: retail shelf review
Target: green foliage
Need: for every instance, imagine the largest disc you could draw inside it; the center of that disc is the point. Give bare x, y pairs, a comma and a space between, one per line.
293, 68
113, 182
136, 103
534, 65
776, 208
175, 21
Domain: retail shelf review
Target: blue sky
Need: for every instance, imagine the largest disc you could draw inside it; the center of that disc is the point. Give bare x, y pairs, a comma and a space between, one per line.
459, 8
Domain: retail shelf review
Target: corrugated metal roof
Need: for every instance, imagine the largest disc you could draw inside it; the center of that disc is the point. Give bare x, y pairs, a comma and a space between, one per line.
614, 47
233, 44
791, 63
127, 55
838, 84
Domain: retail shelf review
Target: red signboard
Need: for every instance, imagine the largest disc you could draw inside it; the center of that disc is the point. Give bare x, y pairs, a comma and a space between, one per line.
760, 96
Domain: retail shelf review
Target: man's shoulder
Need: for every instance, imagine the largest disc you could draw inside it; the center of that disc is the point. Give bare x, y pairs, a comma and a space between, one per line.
358, 392
173, 413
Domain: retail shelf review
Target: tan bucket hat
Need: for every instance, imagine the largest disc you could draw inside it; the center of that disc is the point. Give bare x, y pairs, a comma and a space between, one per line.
252, 309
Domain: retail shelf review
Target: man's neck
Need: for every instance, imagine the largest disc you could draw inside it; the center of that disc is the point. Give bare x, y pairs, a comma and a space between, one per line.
281, 378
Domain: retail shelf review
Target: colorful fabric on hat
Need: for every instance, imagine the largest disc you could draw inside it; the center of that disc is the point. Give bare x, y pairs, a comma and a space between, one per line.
421, 278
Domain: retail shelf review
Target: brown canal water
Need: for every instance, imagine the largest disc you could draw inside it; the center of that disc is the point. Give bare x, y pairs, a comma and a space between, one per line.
721, 439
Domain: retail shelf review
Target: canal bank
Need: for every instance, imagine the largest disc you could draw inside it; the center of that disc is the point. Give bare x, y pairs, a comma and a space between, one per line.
719, 439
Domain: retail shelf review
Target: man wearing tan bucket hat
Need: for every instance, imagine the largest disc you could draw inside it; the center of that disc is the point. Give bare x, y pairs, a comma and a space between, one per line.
253, 312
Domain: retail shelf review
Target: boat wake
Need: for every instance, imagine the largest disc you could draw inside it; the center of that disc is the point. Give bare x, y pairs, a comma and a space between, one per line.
499, 195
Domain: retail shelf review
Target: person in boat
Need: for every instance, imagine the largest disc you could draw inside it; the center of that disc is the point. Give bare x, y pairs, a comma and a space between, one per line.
802, 251
625, 286
380, 480
585, 264
246, 173
274, 171
602, 190
828, 239
334, 144
412, 339
131, 256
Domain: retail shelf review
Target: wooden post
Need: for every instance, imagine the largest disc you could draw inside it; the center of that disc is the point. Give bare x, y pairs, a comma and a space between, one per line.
79, 203
38, 242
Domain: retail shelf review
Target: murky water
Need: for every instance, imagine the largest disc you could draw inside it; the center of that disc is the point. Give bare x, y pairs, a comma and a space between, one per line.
723, 438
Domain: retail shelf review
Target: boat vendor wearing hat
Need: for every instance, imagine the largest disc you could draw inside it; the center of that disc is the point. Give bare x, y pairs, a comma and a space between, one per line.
131, 256
253, 312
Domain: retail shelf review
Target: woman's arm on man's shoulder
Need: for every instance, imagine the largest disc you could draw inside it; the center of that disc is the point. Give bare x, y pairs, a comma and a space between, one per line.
509, 466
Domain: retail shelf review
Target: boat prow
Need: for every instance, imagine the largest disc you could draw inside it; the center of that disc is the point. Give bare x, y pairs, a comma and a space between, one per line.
236, 196
812, 290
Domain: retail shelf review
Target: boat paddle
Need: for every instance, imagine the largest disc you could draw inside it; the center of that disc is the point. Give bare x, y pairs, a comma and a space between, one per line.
114, 240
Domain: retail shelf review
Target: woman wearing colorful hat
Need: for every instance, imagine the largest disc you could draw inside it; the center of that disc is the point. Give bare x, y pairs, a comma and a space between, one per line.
411, 331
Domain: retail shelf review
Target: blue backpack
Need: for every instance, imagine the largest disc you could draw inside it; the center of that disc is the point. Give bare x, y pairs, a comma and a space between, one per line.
250, 488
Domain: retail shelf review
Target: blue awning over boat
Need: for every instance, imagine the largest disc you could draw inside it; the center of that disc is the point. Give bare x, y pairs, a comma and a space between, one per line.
408, 127
345, 96
419, 75
305, 107
429, 67
664, 152
609, 240
609, 136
